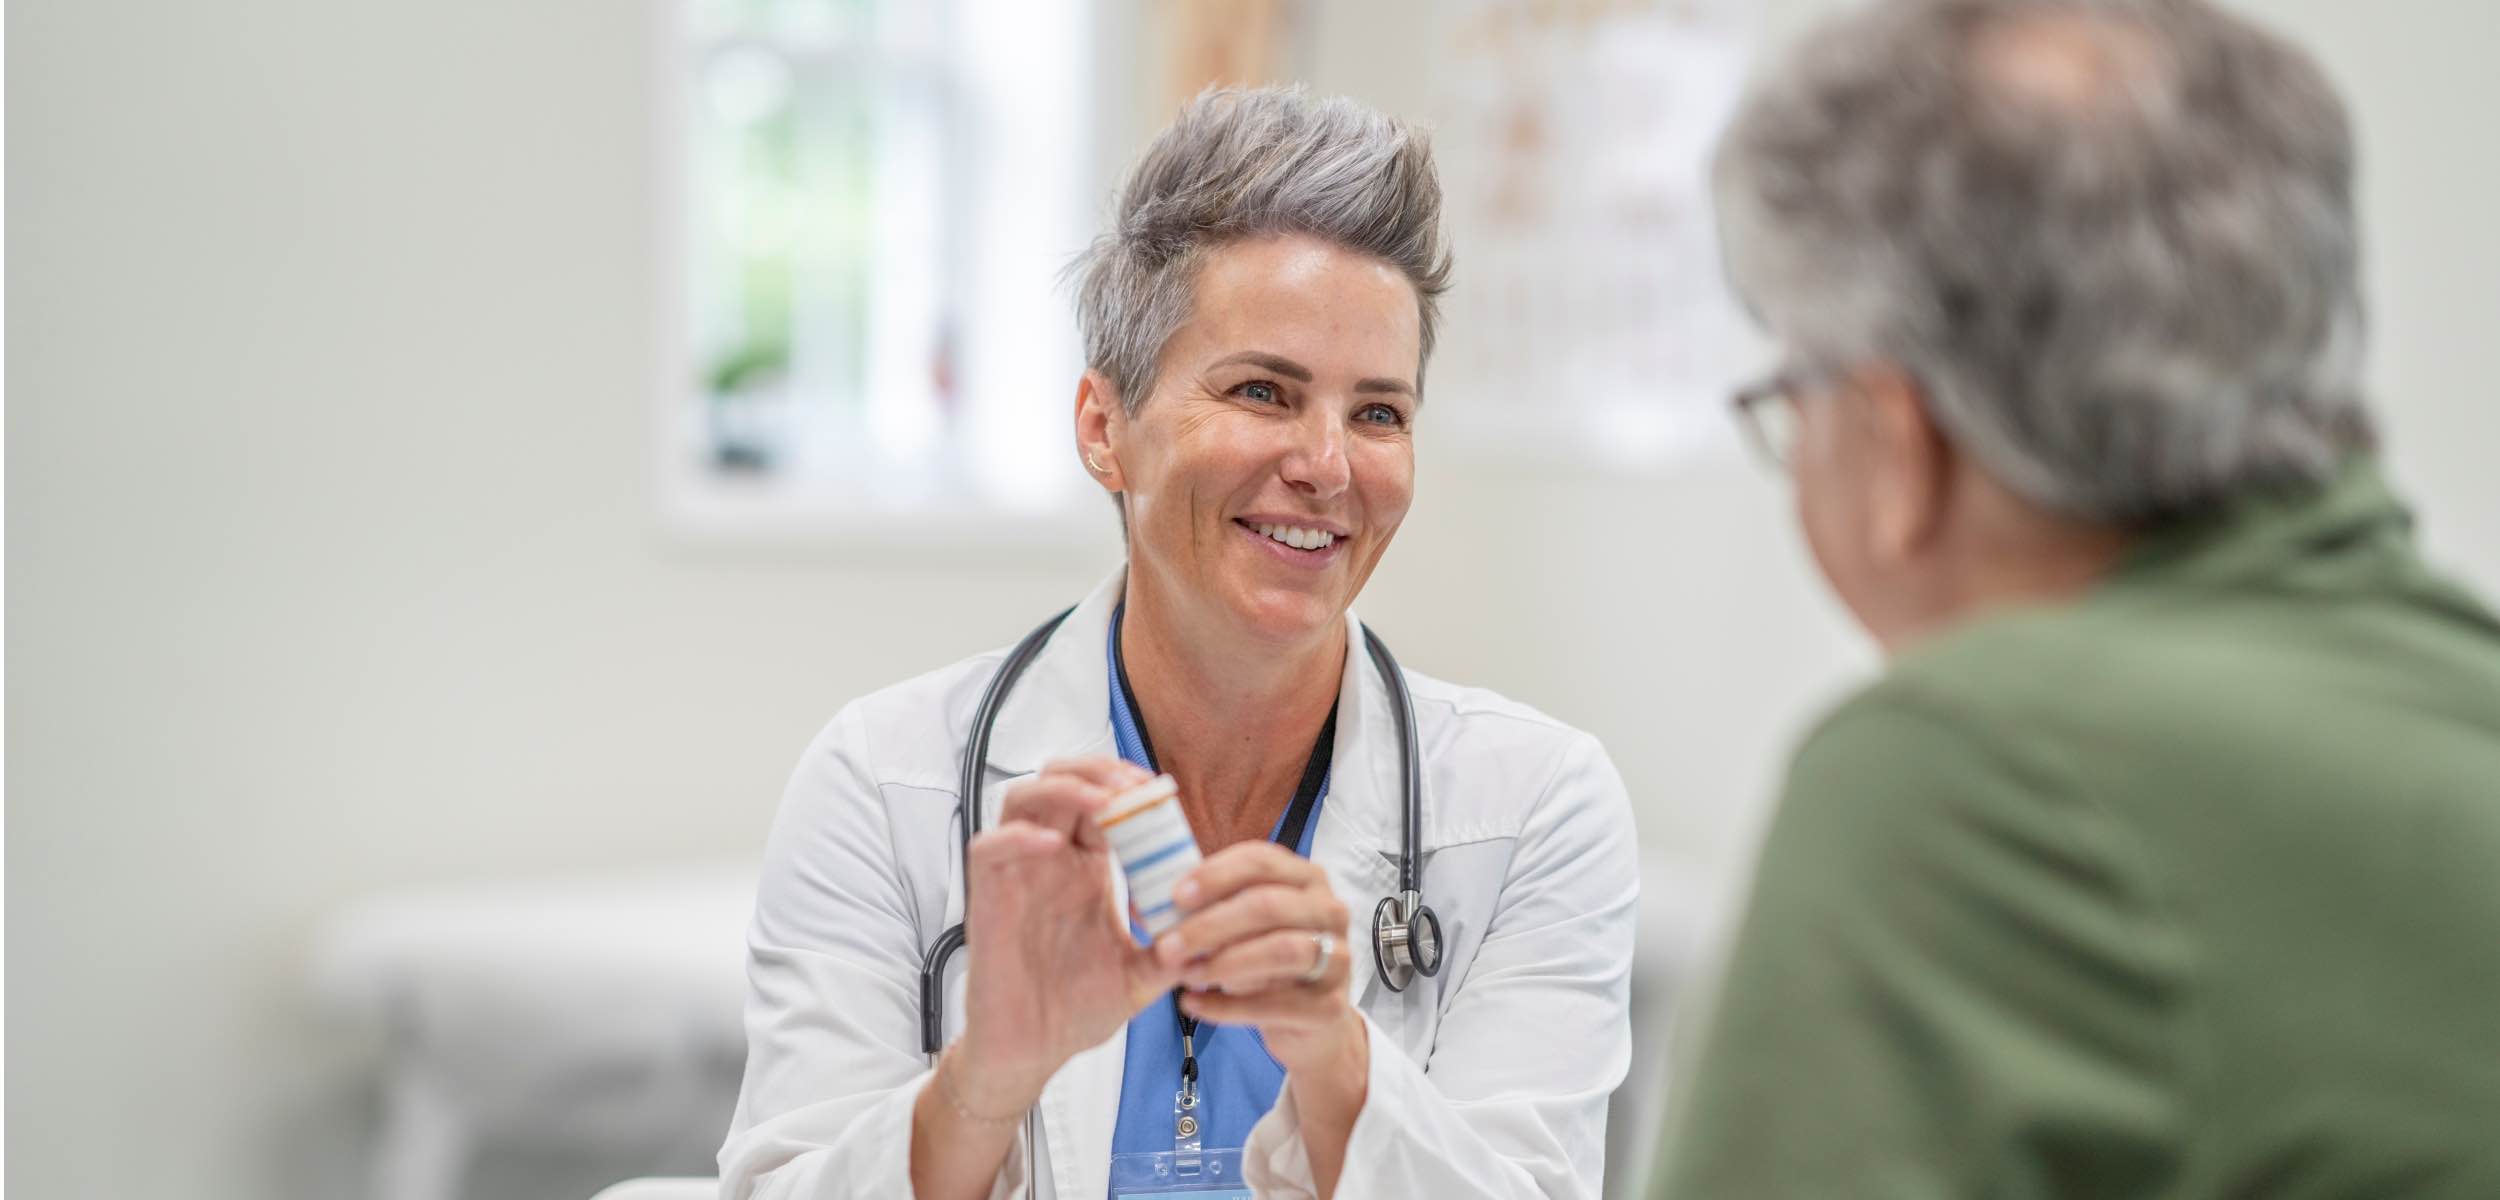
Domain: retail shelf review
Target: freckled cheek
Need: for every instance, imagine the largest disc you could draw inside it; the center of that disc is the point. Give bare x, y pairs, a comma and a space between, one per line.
1387, 485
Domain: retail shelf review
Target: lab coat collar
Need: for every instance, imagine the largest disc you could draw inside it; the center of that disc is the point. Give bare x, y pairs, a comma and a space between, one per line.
1062, 708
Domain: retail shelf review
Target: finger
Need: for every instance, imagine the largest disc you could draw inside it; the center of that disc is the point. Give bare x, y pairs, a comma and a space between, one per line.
1148, 978
1053, 801
1248, 913
1088, 834
1015, 841
1242, 865
1101, 770
1281, 1008
1120, 777
1280, 959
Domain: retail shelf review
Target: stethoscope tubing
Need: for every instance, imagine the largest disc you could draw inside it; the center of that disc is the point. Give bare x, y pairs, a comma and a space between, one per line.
968, 819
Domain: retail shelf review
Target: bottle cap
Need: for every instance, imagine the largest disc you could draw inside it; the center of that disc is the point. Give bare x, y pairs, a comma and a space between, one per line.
1138, 799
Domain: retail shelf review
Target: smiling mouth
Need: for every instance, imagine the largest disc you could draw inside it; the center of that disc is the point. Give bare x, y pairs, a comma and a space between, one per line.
1292, 537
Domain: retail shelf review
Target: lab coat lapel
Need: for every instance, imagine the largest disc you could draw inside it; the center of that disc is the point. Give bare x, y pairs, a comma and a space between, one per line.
1081, 1105
1357, 839
1061, 708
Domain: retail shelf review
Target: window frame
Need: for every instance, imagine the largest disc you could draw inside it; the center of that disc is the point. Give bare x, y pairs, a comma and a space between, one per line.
999, 126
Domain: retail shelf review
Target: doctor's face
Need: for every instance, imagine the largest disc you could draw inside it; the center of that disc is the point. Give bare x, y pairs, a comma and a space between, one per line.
1275, 458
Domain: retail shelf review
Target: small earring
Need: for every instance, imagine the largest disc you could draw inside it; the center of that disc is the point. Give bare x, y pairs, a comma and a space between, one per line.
1089, 461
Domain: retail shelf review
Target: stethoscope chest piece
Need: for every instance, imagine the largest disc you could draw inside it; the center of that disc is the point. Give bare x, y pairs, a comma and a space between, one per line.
1406, 939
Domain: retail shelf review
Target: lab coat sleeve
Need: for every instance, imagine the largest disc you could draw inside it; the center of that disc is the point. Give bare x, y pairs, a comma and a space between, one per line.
833, 1002
1511, 1101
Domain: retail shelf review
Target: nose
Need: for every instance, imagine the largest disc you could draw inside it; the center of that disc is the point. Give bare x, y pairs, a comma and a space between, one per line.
1316, 463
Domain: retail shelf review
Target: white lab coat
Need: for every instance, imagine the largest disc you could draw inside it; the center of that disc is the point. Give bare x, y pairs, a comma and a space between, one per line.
1488, 1080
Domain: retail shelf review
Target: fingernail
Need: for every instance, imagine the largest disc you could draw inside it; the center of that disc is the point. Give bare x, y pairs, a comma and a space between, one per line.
1185, 893
1172, 948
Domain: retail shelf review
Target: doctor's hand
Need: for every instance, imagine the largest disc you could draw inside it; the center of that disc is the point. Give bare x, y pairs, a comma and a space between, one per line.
1054, 969
1248, 948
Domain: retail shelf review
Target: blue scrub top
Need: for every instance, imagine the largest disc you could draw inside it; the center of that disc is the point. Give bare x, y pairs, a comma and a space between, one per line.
1238, 1080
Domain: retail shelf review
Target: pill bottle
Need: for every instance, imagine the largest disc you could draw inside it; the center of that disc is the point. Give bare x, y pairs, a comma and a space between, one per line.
1152, 839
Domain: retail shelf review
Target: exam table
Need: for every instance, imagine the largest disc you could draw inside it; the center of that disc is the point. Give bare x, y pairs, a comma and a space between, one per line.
598, 1015
602, 1014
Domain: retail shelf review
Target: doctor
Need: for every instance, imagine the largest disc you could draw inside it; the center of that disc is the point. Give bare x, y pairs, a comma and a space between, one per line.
1256, 326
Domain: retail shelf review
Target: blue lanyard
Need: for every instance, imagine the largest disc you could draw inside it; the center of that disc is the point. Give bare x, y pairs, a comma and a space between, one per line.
1128, 732
1292, 831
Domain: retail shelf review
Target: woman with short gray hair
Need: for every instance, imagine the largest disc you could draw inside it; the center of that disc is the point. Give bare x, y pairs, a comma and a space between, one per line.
1400, 968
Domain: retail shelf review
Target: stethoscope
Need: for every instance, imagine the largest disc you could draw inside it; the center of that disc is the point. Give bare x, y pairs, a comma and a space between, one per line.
1406, 936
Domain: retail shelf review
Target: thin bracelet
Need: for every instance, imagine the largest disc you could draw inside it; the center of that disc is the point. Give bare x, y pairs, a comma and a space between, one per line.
946, 1092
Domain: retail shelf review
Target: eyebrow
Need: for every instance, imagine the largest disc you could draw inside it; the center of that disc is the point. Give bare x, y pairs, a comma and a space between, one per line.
1301, 374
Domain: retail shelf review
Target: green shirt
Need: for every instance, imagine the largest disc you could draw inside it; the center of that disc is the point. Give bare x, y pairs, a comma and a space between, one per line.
2188, 888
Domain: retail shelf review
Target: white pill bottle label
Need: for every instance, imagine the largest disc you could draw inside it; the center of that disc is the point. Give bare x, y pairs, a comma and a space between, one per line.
1155, 846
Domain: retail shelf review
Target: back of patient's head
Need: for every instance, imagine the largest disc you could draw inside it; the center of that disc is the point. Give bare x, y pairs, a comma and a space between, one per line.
2111, 240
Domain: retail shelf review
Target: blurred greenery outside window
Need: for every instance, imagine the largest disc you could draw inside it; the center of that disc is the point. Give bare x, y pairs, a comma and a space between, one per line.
846, 247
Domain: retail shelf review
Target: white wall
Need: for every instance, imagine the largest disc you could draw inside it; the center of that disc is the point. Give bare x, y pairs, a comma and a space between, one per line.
330, 566
1696, 639
329, 559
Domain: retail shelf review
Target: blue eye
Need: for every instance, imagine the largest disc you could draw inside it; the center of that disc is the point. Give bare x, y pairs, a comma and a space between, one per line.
1381, 414
1259, 390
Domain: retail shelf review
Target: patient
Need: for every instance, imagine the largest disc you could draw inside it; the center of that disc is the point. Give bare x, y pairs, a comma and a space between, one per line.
2165, 858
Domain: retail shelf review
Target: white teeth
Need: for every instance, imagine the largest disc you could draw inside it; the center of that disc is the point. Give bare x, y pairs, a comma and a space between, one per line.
1296, 536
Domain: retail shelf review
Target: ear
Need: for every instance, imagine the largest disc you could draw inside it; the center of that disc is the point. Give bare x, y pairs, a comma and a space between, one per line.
1100, 425
1912, 467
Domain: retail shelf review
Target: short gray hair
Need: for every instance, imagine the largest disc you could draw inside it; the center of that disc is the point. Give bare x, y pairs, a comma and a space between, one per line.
2112, 239
1242, 164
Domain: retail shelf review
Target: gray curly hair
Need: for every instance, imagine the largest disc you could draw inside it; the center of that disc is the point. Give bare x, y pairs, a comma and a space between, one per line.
1246, 163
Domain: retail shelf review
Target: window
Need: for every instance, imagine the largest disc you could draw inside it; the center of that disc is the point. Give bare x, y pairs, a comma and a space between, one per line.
875, 199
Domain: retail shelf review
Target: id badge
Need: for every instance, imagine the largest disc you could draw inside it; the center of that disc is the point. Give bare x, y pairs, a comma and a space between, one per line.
1154, 1176
1184, 1170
